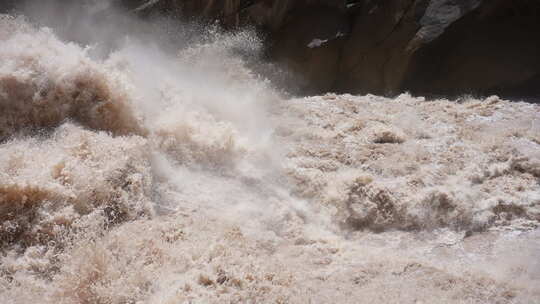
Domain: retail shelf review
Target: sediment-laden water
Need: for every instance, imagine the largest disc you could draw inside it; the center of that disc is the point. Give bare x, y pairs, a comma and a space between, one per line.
144, 175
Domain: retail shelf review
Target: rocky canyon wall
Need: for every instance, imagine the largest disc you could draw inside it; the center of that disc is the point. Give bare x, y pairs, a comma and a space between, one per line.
428, 47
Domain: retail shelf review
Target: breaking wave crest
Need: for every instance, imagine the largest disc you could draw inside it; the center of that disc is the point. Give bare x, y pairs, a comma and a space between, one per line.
150, 177
44, 82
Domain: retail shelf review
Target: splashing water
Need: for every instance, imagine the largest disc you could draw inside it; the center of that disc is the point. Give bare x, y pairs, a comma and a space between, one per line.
141, 175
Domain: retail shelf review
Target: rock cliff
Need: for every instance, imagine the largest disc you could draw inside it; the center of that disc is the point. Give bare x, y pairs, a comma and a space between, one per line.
428, 47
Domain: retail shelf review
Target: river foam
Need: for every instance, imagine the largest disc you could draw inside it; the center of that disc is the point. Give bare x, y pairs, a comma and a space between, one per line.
145, 176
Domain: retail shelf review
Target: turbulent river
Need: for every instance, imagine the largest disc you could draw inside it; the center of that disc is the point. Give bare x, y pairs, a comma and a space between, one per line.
136, 174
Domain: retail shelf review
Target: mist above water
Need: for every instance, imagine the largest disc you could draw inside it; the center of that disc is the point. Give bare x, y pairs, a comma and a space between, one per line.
146, 162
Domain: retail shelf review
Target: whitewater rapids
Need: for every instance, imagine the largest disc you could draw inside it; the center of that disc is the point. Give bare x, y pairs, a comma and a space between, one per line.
146, 177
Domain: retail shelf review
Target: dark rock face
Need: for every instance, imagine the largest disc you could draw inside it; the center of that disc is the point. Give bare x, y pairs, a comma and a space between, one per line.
376, 54
444, 47
428, 47
7, 5
494, 49
310, 45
